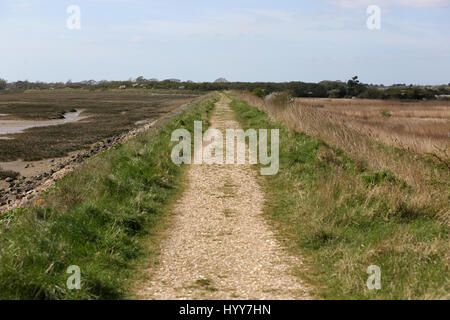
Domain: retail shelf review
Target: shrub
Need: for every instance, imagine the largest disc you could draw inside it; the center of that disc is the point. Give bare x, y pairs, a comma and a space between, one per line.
3, 84
385, 113
8, 174
372, 93
259, 92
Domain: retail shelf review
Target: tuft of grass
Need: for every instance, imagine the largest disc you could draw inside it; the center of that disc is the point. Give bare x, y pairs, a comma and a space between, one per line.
227, 212
206, 284
342, 217
383, 176
4, 174
385, 113
95, 218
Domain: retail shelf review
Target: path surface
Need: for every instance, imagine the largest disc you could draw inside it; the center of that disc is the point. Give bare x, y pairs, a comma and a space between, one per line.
220, 247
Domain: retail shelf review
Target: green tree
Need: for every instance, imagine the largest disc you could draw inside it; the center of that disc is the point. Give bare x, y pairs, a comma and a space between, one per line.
140, 79
354, 87
3, 84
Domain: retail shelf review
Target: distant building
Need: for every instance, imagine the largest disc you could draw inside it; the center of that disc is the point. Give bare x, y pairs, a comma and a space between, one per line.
221, 80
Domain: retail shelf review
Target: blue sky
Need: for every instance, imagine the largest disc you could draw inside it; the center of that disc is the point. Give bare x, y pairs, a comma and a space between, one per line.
202, 40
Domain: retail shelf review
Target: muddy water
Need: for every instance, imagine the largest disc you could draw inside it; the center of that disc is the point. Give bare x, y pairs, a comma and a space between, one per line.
18, 126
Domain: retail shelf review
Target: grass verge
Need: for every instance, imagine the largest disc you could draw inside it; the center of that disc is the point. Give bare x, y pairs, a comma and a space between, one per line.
96, 218
343, 217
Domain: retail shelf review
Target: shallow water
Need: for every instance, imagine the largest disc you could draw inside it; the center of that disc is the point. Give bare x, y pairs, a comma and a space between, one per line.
18, 126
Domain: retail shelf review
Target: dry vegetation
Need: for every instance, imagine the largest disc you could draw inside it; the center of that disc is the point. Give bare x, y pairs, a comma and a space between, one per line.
421, 127
346, 202
416, 126
383, 134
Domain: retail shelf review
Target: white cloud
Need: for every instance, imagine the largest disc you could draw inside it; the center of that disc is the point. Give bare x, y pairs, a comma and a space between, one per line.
402, 3
225, 24
254, 22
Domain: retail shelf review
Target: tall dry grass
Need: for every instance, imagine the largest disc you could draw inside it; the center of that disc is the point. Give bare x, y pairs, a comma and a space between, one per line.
341, 218
416, 126
376, 143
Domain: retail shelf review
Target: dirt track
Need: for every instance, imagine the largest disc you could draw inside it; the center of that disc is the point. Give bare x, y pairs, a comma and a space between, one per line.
220, 247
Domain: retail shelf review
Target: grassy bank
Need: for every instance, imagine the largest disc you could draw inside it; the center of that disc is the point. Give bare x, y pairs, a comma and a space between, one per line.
96, 218
344, 217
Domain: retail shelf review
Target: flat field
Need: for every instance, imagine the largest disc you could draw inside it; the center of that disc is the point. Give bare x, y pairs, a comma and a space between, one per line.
420, 126
59, 128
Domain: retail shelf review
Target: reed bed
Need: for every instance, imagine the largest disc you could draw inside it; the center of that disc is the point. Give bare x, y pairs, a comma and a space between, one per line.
421, 160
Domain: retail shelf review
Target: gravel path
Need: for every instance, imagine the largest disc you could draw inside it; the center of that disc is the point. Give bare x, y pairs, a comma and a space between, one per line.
220, 247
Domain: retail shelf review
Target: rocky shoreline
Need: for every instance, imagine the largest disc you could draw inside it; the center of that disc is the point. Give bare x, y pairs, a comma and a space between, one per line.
22, 190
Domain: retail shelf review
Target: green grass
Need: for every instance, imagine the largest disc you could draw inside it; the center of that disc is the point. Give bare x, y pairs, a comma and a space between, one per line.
97, 218
342, 217
385, 113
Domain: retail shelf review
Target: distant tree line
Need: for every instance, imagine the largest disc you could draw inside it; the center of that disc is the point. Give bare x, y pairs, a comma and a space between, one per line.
324, 89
